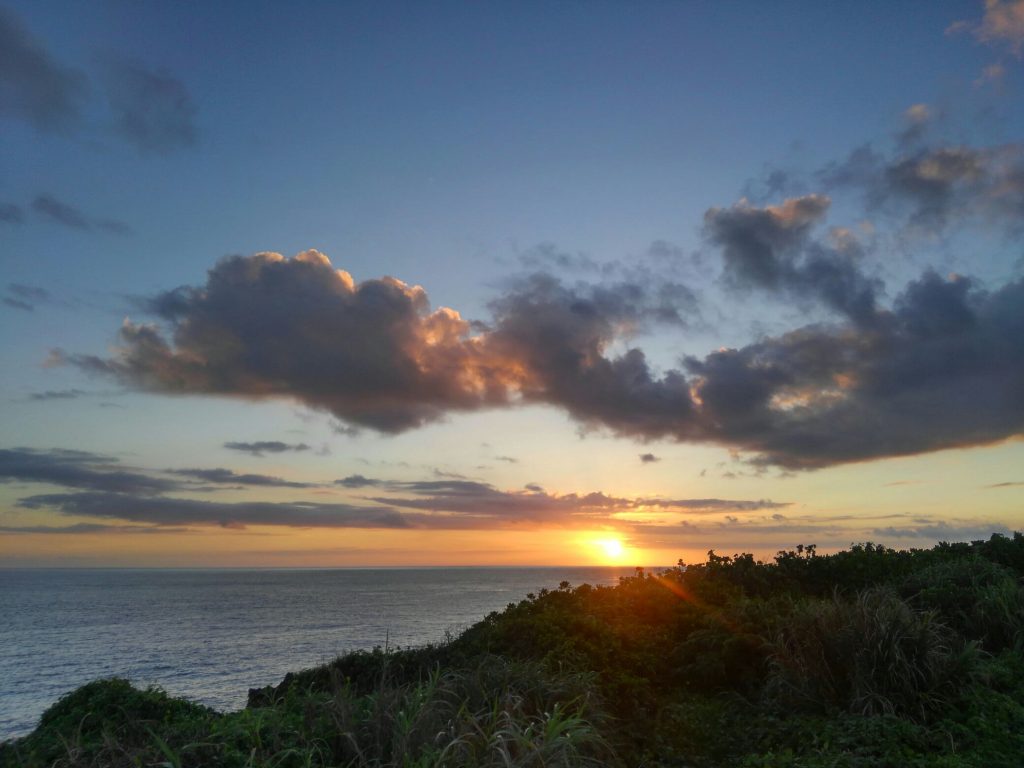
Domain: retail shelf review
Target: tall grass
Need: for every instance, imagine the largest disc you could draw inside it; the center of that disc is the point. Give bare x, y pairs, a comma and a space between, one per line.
874, 654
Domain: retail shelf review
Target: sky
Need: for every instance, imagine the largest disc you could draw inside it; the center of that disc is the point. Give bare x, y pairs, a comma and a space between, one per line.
365, 284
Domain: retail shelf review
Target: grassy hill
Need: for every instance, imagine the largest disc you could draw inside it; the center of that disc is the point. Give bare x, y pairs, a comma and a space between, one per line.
867, 657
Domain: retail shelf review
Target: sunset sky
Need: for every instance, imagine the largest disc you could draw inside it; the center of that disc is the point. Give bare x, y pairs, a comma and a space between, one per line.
507, 283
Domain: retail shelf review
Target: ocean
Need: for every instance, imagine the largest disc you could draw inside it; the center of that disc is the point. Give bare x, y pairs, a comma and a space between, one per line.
210, 635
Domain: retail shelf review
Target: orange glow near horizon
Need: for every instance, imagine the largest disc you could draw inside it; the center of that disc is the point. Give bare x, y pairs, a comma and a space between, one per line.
609, 549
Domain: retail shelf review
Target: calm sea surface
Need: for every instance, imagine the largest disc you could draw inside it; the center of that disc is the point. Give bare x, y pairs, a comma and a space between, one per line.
210, 635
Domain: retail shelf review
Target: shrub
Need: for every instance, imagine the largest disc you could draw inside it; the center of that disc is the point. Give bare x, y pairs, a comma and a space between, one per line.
980, 599
870, 655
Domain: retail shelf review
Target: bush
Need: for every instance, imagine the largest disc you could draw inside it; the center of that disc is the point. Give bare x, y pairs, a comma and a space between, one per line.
870, 655
978, 598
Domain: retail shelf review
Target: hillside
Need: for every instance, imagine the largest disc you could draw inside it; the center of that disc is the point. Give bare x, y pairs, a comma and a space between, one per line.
866, 657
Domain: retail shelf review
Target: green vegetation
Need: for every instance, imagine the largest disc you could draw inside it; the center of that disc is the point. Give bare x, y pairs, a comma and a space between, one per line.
868, 657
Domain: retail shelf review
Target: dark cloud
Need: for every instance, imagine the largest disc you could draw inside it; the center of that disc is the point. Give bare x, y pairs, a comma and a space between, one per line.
60, 212
33, 86
79, 528
57, 394
26, 297
943, 367
942, 531
108, 492
18, 304
372, 354
113, 226
168, 511
28, 292
151, 109
555, 338
227, 476
1005, 485
548, 256
771, 248
772, 184
483, 500
77, 469
10, 213
648, 458
937, 186
69, 216
357, 481
266, 446
507, 459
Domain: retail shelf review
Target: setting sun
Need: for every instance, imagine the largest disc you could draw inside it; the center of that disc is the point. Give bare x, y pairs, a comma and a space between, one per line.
611, 548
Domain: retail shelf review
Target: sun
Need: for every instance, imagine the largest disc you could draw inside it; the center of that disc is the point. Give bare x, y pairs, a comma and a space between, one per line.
612, 548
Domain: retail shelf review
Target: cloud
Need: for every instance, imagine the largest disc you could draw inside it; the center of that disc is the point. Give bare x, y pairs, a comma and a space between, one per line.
938, 186
103, 490
648, 458
1002, 24
771, 184
1005, 485
227, 476
20, 296
11, 214
69, 216
60, 212
943, 531
77, 469
939, 369
80, 528
554, 338
151, 109
372, 354
357, 481
171, 511
547, 256
266, 446
58, 394
33, 86
482, 501
916, 121
771, 248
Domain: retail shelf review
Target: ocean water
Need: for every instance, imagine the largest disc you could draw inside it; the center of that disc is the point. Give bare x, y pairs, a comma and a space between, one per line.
210, 635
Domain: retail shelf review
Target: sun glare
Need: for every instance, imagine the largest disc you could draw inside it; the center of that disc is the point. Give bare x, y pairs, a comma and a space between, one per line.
611, 548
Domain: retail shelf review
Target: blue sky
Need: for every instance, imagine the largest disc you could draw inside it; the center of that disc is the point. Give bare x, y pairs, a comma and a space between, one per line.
632, 154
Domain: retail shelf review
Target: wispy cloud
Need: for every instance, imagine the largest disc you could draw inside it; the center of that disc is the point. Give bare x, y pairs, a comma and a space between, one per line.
37, 88
149, 108
25, 297
174, 511
68, 215
89, 528
230, 477
1002, 24
11, 214
57, 394
152, 109
78, 469
262, 447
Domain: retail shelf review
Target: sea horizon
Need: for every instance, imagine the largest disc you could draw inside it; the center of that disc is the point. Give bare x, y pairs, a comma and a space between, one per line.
210, 634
